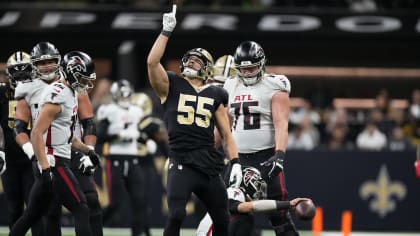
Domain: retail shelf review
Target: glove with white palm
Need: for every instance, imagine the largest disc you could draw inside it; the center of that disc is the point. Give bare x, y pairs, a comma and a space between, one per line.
169, 22
235, 178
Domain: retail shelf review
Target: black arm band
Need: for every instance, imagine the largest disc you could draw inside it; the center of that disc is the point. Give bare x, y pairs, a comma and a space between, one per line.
233, 206
20, 126
280, 154
166, 33
234, 160
282, 205
89, 127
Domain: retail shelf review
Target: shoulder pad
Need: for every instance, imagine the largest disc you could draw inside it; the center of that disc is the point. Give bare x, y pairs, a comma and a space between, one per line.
236, 194
54, 94
279, 82
22, 89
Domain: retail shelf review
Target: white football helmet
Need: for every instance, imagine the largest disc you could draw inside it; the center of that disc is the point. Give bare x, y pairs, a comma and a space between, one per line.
121, 92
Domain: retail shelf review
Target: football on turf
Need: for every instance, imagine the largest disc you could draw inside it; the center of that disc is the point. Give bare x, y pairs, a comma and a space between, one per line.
305, 210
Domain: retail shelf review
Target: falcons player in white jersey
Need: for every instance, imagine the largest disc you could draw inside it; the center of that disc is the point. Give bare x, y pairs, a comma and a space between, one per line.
46, 58
248, 198
52, 135
259, 106
118, 126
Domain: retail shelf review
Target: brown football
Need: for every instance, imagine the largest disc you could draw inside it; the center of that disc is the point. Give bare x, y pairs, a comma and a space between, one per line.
305, 210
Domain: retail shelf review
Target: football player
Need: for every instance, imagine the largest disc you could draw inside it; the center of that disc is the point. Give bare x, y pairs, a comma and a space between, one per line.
52, 137
152, 135
248, 198
45, 59
18, 179
259, 105
117, 126
223, 68
192, 110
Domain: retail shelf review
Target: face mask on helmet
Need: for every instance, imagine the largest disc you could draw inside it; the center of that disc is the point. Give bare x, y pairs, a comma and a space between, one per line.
222, 69
19, 68
46, 60
253, 186
121, 93
201, 57
250, 62
79, 71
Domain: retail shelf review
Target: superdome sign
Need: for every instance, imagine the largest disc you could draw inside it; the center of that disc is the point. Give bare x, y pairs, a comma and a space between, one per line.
91, 21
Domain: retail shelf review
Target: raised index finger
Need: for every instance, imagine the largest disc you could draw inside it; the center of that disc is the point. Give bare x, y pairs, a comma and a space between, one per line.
174, 9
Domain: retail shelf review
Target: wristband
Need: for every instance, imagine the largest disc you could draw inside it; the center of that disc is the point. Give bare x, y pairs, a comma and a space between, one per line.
280, 154
282, 205
234, 160
166, 33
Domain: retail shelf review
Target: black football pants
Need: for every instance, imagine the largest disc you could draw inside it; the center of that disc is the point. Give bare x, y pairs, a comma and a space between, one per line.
17, 183
276, 190
182, 181
124, 173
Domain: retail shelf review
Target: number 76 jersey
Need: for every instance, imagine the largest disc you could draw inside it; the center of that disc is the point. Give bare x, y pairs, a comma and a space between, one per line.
250, 108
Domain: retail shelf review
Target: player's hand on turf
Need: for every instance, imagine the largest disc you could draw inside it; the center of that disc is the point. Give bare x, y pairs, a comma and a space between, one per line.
2, 162
276, 164
169, 20
86, 166
47, 179
236, 173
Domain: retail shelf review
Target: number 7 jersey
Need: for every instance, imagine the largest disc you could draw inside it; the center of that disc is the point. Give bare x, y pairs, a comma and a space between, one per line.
250, 108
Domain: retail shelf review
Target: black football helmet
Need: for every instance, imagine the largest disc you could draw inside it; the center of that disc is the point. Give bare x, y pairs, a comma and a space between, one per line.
19, 67
206, 70
42, 52
252, 185
248, 55
79, 71
121, 92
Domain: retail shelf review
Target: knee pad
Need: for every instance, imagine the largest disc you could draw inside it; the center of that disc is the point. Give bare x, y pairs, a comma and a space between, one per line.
93, 203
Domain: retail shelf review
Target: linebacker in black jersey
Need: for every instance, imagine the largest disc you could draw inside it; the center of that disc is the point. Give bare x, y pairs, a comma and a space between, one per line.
18, 178
192, 109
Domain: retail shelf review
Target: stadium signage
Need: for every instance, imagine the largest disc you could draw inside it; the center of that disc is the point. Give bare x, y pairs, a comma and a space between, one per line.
224, 22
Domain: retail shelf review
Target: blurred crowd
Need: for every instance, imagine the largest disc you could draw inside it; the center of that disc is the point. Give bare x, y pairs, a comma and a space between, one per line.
383, 127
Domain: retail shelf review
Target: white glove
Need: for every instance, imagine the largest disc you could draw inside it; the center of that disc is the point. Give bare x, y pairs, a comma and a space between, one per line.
86, 166
151, 146
129, 134
236, 175
28, 150
2, 162
169, 20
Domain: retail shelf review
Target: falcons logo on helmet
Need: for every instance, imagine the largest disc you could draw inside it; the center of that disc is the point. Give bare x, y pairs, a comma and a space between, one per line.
76, 64
249, 175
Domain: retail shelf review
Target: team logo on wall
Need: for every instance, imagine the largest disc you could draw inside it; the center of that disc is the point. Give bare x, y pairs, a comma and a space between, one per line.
383, 193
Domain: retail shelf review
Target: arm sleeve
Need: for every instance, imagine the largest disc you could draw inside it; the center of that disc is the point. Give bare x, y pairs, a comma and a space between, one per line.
102, 132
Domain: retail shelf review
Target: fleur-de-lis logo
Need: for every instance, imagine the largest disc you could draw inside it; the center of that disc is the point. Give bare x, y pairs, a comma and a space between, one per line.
384, 193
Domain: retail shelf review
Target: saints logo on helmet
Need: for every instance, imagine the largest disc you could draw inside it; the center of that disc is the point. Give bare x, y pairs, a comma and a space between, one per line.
253, 186
143, 101
19, 67
205, 71
250, 62
223, 68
